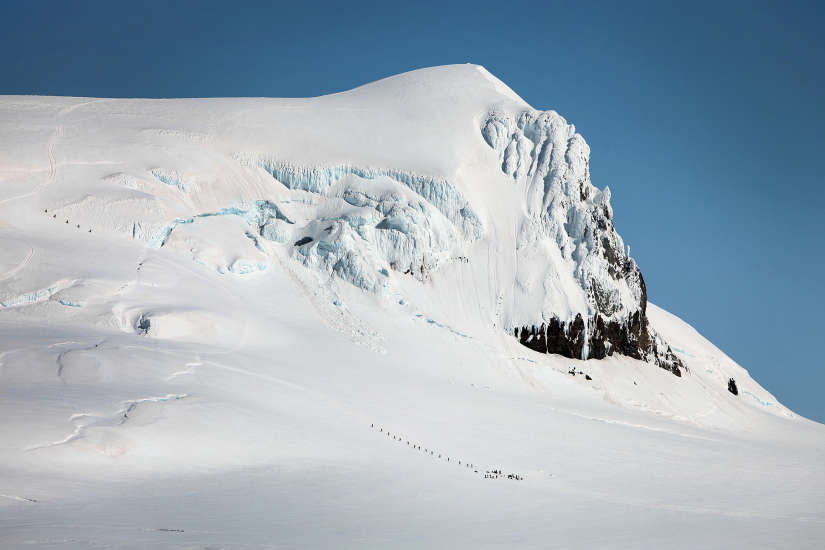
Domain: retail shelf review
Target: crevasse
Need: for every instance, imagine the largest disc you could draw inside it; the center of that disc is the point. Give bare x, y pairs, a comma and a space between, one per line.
444, 196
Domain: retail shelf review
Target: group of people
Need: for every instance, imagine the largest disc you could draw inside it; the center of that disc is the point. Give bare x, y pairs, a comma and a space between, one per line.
46, 210
424, 449
495, 474
489, 474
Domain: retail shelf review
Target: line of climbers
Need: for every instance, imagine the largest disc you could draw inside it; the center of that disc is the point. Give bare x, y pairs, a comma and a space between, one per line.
488, 474
46, 211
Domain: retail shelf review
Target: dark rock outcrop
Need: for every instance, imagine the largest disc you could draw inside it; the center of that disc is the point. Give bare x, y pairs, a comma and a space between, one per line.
572, 340
543, 153
732, 387
600, 336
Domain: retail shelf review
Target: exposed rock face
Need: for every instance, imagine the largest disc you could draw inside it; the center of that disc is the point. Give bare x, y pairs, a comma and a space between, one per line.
572, 340
543, 153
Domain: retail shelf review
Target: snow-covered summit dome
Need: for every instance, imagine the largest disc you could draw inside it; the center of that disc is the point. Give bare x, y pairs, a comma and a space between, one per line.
405, 177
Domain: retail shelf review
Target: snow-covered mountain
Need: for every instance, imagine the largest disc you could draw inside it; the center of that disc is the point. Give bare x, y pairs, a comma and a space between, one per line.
304, 295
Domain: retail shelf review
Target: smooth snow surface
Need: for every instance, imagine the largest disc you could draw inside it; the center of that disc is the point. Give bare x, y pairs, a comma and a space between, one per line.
287, 323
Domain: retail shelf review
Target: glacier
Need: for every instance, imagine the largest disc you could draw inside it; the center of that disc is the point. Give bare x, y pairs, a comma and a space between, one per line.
296, 322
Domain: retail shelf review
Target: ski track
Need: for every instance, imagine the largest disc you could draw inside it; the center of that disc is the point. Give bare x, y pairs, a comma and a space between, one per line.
18, 498
52, 142
23, 263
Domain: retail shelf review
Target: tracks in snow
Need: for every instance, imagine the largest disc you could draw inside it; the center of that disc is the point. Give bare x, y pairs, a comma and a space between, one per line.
55, 137
18, 498
15, 270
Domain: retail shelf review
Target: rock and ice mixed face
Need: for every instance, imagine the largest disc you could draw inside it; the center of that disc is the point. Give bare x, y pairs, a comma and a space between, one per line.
564, 211
545, 154
584, 294
580, 293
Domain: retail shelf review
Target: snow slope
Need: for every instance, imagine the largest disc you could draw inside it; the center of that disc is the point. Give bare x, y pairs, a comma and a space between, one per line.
233, 322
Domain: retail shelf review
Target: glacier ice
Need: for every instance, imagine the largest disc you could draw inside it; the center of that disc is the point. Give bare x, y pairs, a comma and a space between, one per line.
170, 177
444, 196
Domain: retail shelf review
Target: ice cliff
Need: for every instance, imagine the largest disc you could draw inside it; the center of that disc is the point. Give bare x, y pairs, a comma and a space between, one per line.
564, 210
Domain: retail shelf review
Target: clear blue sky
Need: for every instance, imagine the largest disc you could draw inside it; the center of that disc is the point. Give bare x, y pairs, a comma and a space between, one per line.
707, 120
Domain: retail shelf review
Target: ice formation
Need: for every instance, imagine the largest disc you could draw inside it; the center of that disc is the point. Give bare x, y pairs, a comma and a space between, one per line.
544, 154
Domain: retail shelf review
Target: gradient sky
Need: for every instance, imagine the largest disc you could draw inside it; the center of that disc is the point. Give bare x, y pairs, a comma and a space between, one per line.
707, 121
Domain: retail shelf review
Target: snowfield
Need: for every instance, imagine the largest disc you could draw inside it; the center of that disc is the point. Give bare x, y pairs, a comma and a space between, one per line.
289, 323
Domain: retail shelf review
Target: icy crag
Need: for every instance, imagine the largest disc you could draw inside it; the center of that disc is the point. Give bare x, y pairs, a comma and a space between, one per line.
545, 154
